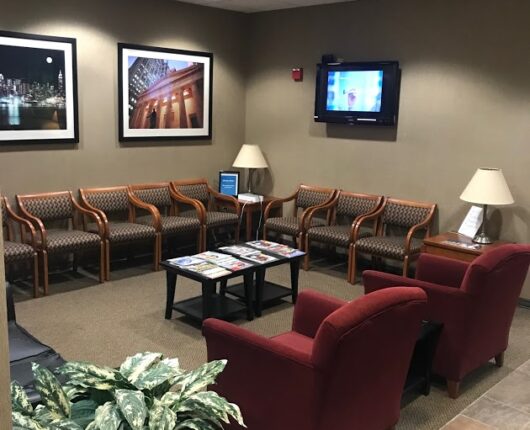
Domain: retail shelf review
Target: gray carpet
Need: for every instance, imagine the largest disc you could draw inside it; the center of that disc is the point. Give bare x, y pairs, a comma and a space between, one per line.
104, 323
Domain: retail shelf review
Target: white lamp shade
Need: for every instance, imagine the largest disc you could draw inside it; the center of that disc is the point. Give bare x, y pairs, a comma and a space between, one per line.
250, 157
487, 187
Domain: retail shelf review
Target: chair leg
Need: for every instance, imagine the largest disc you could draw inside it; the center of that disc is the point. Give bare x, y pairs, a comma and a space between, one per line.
453, 389
35, 274
499, 359
204, 238
264, 232
306, 250
157, 252
406, 266
236, 234
107, 260
45, 272
102, 262
352, 265
75, 262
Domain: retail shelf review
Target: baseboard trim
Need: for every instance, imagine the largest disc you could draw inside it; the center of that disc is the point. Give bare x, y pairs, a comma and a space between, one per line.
524, 303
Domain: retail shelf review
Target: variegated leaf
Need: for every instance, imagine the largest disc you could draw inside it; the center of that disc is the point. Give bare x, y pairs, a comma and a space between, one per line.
132, 407
43, 415
20, 420
201, 377
171, 399
194, 409
89, 382
214, 401
92, 426
89, 369
161, 417
64, 425
108, 417
83, 412
19, 399
195, 424
154, 376
51, 392
134, 366
74, 391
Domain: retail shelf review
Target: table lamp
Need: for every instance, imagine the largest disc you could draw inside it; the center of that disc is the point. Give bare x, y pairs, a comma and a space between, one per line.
487, 187
250, 157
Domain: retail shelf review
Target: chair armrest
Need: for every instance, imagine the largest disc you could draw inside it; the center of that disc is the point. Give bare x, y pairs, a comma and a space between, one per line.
441, 270
90, 214
307, 214
232, 201
372, 216
36, 223
197, 205
23, 223
11, 315
98, 211
374, 280
311, 309
274, 202
423, 225
153, 211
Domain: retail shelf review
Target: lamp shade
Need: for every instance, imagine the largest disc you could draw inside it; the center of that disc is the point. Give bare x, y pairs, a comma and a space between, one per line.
487, 187
250, 157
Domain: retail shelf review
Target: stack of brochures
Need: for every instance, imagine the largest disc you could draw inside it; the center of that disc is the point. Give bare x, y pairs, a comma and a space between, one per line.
276, 248
251, 254
210, 264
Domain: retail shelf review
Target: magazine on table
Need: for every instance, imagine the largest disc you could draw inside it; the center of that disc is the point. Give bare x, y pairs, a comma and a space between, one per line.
259, 257
212, 256
240, 250
184, 261
208, 269
276, 248
234, 264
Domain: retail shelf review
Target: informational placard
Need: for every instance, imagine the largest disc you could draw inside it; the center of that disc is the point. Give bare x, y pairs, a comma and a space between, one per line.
472, 222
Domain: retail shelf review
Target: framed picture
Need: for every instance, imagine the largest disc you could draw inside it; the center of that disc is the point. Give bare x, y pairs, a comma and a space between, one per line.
164, 94
38, 89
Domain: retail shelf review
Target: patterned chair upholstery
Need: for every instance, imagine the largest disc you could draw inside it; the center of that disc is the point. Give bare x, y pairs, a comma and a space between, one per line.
306, 198
162, 197
207, 204
23, 250
401, 227
45, 211
347, 209
116, 207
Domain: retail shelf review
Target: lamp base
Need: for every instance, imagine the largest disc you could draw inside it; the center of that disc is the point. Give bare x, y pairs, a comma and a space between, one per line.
482, 238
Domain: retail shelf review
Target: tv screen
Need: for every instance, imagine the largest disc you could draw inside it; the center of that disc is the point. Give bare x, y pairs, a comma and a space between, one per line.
357, 93
229, 183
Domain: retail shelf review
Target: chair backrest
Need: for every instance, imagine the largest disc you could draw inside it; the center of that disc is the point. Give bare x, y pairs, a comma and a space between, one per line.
6, 227
194, 189
109, 200
48, 206
406, 213
495, 280
361, 355
308, 196
155, 194
355, 204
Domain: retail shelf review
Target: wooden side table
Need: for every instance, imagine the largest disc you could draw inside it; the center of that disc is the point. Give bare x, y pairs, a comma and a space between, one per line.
252, 208
457, 246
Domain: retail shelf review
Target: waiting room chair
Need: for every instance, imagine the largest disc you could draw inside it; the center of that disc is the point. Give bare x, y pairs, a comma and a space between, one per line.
164, 199
343, 231
23, 250
305, 198
342, 367
474, 301
115, 206
198, 194
401, 226
60, 223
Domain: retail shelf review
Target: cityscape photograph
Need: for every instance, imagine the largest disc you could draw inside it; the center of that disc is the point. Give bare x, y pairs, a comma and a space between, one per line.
32, 89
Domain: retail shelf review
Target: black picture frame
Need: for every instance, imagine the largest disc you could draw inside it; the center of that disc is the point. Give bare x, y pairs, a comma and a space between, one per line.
38, 89
164, 94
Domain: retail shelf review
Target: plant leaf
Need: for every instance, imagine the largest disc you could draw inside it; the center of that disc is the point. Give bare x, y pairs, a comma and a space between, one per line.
74, 391
155, 376
170, 399
132, 406
214, 401
195, 424
201, 377
43, 415
51, 392
19, 399
189, 409
108, 417
20, 420
83, 412
161, 418
92, 426
64, 425
89, 369
134, 366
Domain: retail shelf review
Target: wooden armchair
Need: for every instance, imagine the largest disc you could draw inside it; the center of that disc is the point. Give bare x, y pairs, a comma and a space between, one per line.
61, 208
115, 206
347, 209
305, 198
207, 204
163, 198
397, 237
23, 250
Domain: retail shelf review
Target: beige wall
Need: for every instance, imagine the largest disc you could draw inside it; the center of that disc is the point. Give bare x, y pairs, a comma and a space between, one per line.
99, 159
465, 101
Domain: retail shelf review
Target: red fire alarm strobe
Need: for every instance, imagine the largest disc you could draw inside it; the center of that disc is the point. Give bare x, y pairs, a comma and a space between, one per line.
297, 74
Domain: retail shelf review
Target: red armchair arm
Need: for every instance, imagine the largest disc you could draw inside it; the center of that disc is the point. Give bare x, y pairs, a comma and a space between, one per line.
441, 270
311, 309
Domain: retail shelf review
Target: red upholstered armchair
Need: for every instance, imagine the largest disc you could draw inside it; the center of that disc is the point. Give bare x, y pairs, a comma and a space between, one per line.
475, 302
342, 367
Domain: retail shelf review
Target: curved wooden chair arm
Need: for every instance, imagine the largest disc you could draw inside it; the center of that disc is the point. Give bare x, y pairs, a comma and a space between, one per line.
274, 202
311, 210
357, 222
35, 221
181, 198
23, 223
228, 199
423, 225
153, 210
332, 204
369, 217
99, 212
91, 214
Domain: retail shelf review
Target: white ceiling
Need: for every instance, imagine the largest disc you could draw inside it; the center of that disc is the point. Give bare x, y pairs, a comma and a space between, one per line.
250, 6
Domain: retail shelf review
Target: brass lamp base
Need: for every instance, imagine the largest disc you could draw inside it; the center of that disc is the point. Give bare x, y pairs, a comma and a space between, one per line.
482, 238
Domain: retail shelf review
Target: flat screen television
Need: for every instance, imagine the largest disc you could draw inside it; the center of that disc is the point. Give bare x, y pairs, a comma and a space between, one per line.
358, 93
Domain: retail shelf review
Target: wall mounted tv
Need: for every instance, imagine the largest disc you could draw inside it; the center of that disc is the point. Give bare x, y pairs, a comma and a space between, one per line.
357, 93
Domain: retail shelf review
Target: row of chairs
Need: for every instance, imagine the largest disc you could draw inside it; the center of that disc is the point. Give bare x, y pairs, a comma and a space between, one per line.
383, 227
54, 223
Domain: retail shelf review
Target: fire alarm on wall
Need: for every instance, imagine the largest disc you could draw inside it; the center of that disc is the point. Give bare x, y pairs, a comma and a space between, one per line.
297, 74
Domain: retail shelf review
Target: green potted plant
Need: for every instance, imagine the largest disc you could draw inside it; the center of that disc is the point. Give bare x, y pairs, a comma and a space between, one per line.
146, 392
